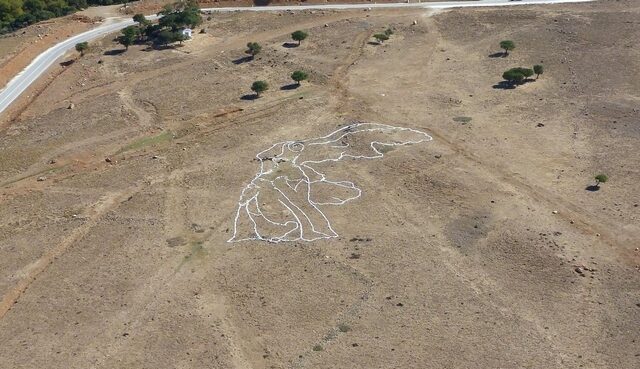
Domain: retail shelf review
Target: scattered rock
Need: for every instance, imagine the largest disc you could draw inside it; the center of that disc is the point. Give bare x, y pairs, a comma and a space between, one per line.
108, 160
155, 157
41, 179
554, 212
415, 22
540, 125
71, 106
438, 156
52, 161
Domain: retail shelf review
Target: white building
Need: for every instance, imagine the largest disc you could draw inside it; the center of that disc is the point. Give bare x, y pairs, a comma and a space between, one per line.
187, 32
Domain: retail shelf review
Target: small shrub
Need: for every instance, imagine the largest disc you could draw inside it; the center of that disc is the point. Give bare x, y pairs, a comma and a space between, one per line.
259, 87
82, 47
381, 37
463, 120
507, 45
299, 76
253, 49
299, 36
601, 178
538, 70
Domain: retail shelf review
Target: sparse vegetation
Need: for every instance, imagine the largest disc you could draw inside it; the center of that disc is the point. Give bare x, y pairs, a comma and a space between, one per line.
299, 36
259, 87
517, 75
140, 19
601, 178
169, 29
253, 49
507, 45
15, 14
388, 32
299, 76
381, 37
463, 120
129, 36
538, 70
166, 37
344, 328
82, 47
317, 348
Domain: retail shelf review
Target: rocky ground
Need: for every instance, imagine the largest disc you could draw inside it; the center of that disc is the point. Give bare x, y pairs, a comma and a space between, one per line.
479, 249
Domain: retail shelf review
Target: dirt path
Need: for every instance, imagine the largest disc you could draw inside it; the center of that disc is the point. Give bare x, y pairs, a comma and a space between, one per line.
106, 203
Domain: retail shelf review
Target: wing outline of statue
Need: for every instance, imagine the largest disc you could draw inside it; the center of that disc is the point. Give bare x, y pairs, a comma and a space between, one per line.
280, 203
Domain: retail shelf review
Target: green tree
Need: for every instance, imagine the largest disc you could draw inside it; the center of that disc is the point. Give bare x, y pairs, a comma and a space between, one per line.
129, 36
179, 36
299, 76
299, 36
381, 37
180, 15
517, 75
513, 76
538, 70
601, 178
140, 19
507, 45
82, 47
253, 49
164, 37
259, 87
526, 72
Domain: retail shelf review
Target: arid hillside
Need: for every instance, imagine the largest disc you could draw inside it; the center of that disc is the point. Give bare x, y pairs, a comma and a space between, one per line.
121, 181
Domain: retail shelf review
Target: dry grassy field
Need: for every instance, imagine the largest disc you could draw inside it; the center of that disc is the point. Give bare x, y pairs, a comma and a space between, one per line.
481, 248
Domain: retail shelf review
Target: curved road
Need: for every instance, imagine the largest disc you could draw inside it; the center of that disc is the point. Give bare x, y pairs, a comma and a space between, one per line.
40, 64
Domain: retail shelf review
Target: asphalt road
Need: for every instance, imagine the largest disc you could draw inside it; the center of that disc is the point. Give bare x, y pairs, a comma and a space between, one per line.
42, 62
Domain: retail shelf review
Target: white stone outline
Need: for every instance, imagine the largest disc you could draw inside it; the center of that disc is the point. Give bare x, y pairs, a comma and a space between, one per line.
252, 207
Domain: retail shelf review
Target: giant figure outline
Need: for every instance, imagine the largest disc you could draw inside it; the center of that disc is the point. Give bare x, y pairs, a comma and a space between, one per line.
306, 221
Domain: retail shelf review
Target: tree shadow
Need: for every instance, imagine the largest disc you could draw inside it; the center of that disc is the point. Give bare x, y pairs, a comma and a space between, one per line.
374, 43
249, 97
504, 85
498, 55
67, 63
290, 45
163, 47
290, 87
244, 59
114, 52
593, 188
